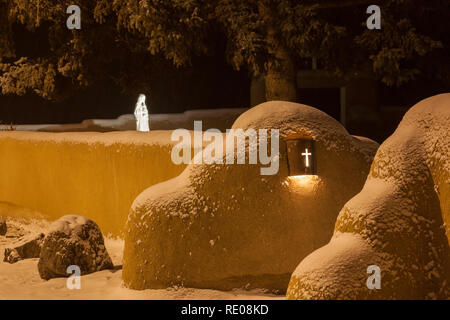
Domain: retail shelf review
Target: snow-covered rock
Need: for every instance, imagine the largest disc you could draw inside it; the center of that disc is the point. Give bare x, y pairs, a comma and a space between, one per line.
73, 240
225, 225
399, 222
3, 227
27, 248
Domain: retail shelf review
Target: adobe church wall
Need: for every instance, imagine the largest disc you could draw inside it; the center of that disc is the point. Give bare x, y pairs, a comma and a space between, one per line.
226, 226
97, 175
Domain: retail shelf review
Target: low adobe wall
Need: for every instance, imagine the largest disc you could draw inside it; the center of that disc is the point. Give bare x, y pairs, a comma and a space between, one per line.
97, 175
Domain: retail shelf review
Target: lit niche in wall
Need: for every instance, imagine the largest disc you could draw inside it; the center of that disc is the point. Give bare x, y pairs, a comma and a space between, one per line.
301, 156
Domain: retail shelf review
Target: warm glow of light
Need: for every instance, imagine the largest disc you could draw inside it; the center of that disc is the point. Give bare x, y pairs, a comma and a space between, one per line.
306, 154
303, 184
304, 179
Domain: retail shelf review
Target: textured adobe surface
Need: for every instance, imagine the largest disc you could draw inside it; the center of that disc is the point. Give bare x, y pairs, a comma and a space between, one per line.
400, 220
225, 226
97, 175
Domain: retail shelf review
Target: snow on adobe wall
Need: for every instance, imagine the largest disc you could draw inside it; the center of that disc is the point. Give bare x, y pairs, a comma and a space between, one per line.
221, 119
400, 220
97, 175
227, 226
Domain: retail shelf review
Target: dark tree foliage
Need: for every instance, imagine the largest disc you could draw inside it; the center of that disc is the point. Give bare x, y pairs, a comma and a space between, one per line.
132, 41
414, 39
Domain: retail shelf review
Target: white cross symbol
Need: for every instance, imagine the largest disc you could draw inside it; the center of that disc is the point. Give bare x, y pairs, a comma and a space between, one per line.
307, 154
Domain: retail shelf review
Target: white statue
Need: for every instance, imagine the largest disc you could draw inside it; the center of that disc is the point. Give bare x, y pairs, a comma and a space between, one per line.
141, 114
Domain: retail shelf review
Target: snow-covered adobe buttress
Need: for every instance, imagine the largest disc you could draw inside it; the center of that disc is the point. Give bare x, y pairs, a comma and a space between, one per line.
226, 225
399, 222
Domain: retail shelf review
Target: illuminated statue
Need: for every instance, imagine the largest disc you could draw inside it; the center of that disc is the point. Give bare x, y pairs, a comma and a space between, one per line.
141, 114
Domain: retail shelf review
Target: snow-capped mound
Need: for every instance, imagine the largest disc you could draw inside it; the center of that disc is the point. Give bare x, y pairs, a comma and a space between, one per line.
226, 225
399, 221
68, 224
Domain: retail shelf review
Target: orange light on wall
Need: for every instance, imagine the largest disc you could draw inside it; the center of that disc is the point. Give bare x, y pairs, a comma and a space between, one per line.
301, 156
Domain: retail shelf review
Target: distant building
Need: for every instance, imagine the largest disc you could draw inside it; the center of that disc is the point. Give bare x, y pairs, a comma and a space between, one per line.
337, 96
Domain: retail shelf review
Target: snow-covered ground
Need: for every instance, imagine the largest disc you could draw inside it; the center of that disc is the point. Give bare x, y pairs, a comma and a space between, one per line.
21, 280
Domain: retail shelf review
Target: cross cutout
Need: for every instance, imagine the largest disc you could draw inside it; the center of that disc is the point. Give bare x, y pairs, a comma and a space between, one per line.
306, 154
